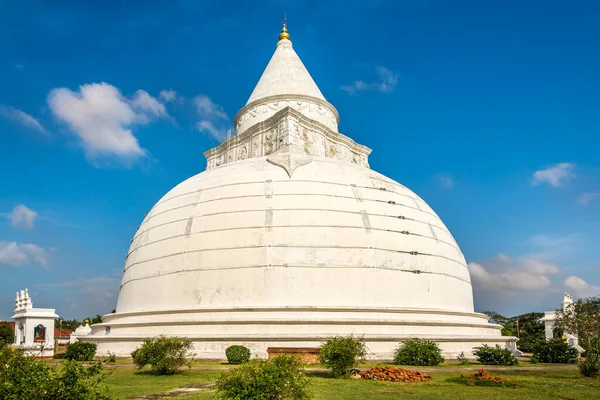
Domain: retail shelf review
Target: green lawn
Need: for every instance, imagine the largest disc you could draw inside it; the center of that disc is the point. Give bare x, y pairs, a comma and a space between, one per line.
124, 382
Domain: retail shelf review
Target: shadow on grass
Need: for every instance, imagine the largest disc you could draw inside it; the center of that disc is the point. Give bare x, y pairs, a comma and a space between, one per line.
324, 375
149, 372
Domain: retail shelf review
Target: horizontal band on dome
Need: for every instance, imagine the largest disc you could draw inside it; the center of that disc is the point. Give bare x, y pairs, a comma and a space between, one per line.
163, 200
283, 98
295, 246
290, 266
291, 321
395, 216
301, 308
258, 196
271, 227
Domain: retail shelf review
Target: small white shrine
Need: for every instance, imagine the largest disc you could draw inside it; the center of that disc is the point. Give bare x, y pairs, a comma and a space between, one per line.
82, 330
34, 327
549, 325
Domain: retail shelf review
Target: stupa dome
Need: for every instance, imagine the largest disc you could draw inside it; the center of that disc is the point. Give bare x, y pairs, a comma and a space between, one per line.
288, 238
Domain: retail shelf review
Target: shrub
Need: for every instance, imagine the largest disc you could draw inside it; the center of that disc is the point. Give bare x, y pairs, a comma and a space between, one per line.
112, 358
418, 352
6, 334
279, 378
81, 351
462, 359
340, 354
494, 355
554, 351
237, 354
165, 355
29, 378
589, 368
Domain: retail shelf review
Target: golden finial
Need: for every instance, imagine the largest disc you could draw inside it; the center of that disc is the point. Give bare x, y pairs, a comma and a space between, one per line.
284, 33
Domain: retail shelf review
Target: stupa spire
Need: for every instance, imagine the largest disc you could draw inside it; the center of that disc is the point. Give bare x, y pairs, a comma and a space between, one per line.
284, 32
285, 74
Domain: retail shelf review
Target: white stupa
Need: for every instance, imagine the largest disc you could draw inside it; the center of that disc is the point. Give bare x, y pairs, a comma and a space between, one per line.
289, 238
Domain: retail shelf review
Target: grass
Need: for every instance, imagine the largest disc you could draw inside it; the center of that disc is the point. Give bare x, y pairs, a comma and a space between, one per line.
124, 382
128, 382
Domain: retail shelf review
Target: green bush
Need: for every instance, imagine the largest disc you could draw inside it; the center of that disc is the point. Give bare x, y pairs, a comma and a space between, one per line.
418, 352
462, 359
340, 354
279, 378
6, 334
554, 351
494, 355
589, 367
237, 354
112, 358
165, 355
81, 351
29, 378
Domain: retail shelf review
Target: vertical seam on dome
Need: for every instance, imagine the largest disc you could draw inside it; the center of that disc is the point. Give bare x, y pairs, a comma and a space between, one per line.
417, 204
188, 226
268, 188
269, 218
433, 232
366, 222
356, 192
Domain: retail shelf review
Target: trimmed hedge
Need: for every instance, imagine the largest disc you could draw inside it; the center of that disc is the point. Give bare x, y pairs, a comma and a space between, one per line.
81, 351
494, 355
554, 351
237, 354
418, 352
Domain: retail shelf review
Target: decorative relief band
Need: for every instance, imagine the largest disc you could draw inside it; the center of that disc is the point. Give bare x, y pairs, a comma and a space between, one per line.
288, 131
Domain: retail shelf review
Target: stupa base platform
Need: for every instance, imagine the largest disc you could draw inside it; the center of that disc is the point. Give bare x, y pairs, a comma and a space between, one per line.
212, 331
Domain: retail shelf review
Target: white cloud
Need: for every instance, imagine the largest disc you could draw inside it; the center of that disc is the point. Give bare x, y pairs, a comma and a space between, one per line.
168, 95
208, 109
511, 275
586, 198
22, 118
556, 175
12, 253
446, 181
22, 217
145, 103
208, 127
214, 121
387, 82
581, 287
102, 118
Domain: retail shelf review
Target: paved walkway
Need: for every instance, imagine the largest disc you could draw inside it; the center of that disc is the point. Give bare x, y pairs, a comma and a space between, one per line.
422, 369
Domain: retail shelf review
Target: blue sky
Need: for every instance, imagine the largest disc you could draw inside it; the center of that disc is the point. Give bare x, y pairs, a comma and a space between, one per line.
490, 111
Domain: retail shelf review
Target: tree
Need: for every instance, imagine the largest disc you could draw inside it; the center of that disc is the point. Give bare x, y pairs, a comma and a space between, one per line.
582, 319
496, 318
6, 334
530, 330
96, 320
71, 324
508, 328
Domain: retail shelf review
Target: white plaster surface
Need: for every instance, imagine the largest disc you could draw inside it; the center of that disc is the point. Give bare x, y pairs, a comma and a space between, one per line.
27, 319
245, 253
289, 238
285, 75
